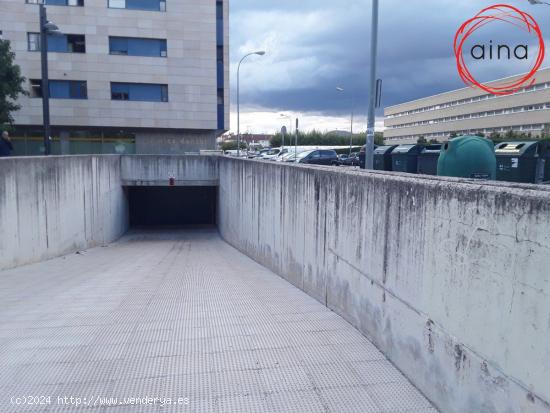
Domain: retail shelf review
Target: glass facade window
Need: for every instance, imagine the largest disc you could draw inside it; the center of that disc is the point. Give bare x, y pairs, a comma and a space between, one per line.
65, 43
29, 142
220, 64
219, 22
78, 3
33, 42
152, 5
129, 46
61, 89
141, 92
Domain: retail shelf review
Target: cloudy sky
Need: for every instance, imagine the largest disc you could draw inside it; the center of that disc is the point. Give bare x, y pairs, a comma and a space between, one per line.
315, 45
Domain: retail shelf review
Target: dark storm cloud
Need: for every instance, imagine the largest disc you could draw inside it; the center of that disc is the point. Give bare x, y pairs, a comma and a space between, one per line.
315, 45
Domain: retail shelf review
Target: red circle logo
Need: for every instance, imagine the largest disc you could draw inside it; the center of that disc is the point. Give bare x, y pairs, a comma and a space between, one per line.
506, 14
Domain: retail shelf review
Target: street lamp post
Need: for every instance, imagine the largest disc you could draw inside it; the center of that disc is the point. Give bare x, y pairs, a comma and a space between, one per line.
46, 28
259, 53
296, 141
341, 89
540, 162
289, 130
369, 152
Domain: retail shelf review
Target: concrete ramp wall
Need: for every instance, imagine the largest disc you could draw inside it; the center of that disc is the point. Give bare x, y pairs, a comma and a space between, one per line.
450, 279
156, 170
56, 205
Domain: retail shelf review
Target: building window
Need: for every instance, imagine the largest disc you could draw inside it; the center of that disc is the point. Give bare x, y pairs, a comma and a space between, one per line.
153, 5
64, 43
141, 92
33, 42
61, 89
79, 3
220, 63
36, 88
129, 46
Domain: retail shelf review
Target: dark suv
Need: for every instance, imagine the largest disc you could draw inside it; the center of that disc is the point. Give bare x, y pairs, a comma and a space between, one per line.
319, 157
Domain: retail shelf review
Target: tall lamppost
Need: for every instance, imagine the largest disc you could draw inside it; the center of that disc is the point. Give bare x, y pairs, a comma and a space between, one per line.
289, 129
259, 53
296, 140
342, 90
540, 164
373, 90
46, 28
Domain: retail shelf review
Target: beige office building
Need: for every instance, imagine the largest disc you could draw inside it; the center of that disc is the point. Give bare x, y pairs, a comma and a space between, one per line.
137, 76
470, 111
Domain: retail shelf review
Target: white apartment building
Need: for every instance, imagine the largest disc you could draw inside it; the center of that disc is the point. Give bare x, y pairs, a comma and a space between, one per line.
470, 111
126, 76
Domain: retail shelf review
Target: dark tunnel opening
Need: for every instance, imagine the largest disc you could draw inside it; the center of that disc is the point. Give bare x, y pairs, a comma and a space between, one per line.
152, 206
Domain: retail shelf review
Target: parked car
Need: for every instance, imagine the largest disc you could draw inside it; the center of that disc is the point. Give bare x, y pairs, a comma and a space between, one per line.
272, 154
352, 160
291, 157
287, 157
284, 152
319, 157
342, 157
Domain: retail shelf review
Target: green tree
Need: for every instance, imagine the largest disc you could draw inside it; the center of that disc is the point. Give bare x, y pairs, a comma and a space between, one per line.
317, 138
11, 83
231, 146
495, 137
421, 141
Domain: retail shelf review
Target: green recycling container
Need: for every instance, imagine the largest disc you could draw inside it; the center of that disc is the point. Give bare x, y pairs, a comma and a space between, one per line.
428, 158
382, 158
544, 159
405, 158
468, 157
517, 161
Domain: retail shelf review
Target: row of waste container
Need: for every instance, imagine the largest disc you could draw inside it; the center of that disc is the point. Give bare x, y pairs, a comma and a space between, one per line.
527, 162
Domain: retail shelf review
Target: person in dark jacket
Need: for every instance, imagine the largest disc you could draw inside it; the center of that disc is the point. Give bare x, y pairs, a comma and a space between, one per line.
5, 145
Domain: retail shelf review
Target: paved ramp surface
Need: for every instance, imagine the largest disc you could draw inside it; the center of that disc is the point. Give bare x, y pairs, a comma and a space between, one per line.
182, 317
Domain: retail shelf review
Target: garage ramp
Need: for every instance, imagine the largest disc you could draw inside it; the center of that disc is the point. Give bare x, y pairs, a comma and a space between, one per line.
179, 321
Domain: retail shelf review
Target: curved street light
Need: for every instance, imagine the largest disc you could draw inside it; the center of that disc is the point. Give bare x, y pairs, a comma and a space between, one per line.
259, 53
289, 130
342, 90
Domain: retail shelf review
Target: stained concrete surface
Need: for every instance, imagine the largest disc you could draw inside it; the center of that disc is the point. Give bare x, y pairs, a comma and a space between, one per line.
448, 278
182, 315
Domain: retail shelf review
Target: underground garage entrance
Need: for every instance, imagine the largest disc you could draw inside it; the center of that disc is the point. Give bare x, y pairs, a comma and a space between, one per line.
176, 206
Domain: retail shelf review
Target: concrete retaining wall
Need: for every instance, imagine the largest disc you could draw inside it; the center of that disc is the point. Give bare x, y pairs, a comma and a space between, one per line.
156, 170
56, 205
450, 279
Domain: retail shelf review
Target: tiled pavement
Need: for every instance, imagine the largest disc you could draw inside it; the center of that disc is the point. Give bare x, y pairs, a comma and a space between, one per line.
185, 317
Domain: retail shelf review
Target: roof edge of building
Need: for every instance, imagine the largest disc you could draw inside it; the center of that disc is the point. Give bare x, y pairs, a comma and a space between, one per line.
455, 90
